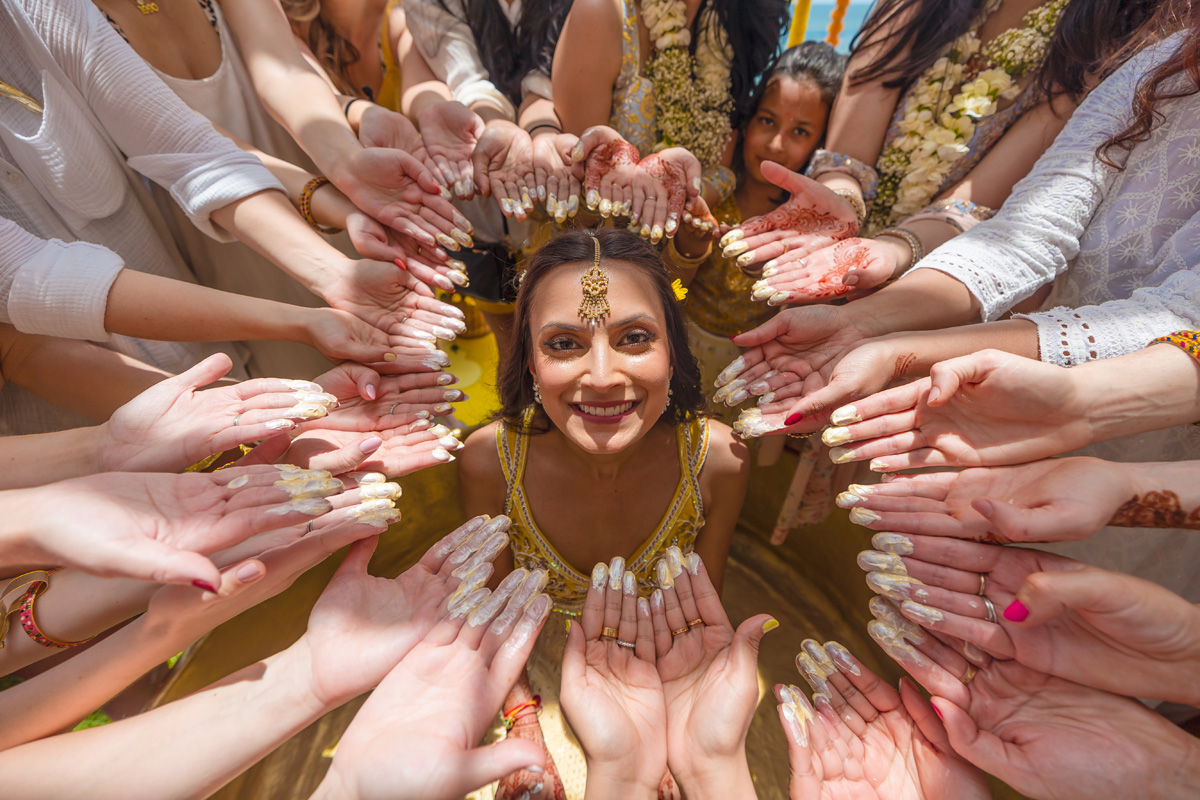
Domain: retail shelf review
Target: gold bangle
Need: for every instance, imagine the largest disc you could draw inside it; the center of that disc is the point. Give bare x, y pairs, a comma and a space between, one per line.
305, 205
911, 239
856, 202
686, 262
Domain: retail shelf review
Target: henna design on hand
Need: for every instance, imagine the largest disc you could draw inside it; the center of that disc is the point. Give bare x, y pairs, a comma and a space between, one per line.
1155, 510
802, 216
604, 159
673, 178
903, 362
846, 256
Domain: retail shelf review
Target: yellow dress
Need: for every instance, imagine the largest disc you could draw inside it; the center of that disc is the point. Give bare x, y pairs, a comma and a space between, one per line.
568, 585
391, 89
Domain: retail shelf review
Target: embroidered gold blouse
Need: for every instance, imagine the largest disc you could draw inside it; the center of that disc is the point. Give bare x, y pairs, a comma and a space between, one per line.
568, 586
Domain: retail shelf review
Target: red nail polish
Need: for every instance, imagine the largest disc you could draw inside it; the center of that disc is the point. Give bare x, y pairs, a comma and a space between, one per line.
1016, 612
208, 587
731, 338
792, 419
939, 713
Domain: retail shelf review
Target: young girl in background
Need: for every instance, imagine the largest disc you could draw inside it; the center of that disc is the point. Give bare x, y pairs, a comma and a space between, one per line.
785, 124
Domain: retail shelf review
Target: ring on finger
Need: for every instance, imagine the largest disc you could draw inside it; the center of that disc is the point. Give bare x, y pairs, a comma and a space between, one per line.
982, 582
970, 674
630, 645
609, 632
695, 622
308, 528
991, 610
392, 410
236, 418
681, 631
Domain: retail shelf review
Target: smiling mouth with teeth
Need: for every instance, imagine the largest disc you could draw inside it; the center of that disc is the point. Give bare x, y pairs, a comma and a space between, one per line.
618, 409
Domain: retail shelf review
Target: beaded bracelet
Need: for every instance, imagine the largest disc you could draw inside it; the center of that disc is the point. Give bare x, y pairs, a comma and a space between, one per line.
510, 717
30, 624
856, 202
1187, 341
824, 161
913, 241
306, 207
13, 593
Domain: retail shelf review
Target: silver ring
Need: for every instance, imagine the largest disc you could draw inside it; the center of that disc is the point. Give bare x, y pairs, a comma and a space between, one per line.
650, 199
309, 527
392, 410
982, 583
991, 610
625, 644
236, 417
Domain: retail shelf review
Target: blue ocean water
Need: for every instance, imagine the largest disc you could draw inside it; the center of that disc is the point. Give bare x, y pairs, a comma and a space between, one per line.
818, 22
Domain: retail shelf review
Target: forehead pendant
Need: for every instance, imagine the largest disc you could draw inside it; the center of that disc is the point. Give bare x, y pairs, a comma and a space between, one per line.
594, 305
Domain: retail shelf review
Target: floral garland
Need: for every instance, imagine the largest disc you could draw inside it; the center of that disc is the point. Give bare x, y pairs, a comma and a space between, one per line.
691, 94
913, 167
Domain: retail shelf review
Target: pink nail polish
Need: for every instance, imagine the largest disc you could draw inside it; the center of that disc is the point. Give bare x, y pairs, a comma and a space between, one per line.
208, 587
370, 392
939, 713
1016, 612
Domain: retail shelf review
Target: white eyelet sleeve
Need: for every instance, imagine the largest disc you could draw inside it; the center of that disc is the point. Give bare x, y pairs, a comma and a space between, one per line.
1036, 234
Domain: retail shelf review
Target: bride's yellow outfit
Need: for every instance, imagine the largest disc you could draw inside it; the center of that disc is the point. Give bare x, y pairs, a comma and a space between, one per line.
568, 585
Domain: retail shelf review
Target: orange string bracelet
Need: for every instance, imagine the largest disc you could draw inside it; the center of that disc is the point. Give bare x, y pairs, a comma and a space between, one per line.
510, 717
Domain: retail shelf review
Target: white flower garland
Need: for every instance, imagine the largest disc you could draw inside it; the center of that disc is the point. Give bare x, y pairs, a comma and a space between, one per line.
934, 133
691, 95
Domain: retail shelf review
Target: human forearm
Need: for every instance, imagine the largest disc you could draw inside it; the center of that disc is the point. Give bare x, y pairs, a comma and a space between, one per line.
914, 354
716, 779
538, 116
1177, 773
37, 459
1164, 495
195, 745
151, 307
1152, 389
921, 300
612, 783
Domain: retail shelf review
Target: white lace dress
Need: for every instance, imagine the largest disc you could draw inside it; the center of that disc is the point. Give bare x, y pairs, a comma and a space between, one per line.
1123, 250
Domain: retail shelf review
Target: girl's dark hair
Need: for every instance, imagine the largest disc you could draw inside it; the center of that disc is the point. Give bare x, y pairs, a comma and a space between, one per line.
755, 32
1159, 85
812, 61
509, 54
808, 61
1081, 49
515, 382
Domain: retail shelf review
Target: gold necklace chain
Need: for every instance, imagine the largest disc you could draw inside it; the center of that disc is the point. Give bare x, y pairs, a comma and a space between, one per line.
13, 93
147, 7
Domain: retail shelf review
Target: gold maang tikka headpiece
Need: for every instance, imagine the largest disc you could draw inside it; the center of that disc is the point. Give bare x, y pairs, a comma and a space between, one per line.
594, 306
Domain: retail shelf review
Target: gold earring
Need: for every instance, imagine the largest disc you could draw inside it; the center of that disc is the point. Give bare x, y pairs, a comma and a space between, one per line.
537, 393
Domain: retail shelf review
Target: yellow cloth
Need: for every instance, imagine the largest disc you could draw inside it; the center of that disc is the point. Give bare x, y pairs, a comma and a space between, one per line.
392, 88
568, 586
719, 296
633, 111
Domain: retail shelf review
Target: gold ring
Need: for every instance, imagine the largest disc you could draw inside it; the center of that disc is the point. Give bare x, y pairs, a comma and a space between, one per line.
681, 631
695, 622
969, 675
609, 632
982, 582
626, 644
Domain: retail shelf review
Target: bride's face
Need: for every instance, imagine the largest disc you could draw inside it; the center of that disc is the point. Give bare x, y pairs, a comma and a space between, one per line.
604, 385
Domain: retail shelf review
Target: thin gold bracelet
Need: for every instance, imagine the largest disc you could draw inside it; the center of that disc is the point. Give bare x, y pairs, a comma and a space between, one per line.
856, 202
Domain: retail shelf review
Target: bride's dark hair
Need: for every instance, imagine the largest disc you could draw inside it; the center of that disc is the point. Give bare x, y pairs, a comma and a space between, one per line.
515, 382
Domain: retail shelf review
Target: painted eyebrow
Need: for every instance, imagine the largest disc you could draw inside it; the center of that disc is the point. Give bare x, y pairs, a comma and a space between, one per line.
578, 329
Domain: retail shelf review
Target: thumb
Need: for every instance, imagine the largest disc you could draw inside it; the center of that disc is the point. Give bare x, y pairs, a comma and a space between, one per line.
210, 369
695, 176
266, 452
358, 557
347, 457
153, 561
950, 375
782, 177
366, 379
748, 637
1017, 524
592, 138
981, 748
484, 765
771, 329
481, 159
1045, 595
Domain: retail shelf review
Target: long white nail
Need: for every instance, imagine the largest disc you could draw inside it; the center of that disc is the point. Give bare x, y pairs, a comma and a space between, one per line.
863, 516
305, 411
599, 575
923, 614
869, 560
616, 572
629, 584
835, 436
303, 386
896, 543
845, 416
842, 657
731, 371
892, 586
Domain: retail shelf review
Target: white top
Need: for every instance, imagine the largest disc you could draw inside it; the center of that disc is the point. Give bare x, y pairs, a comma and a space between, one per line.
1122, 247
69, 175
449, 47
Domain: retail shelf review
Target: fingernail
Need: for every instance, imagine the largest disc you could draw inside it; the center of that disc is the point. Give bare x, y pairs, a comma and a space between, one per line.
389, 356
248, 572
934, 394
779, 298
370, 392
448, 243
441, 454
792, 419
850, 280
939, 713
1016, 612
281, 424
368, 446
863, 516
878, 465
770, 625
835, 436
208, 587
698, 185
616, 572
599, 575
